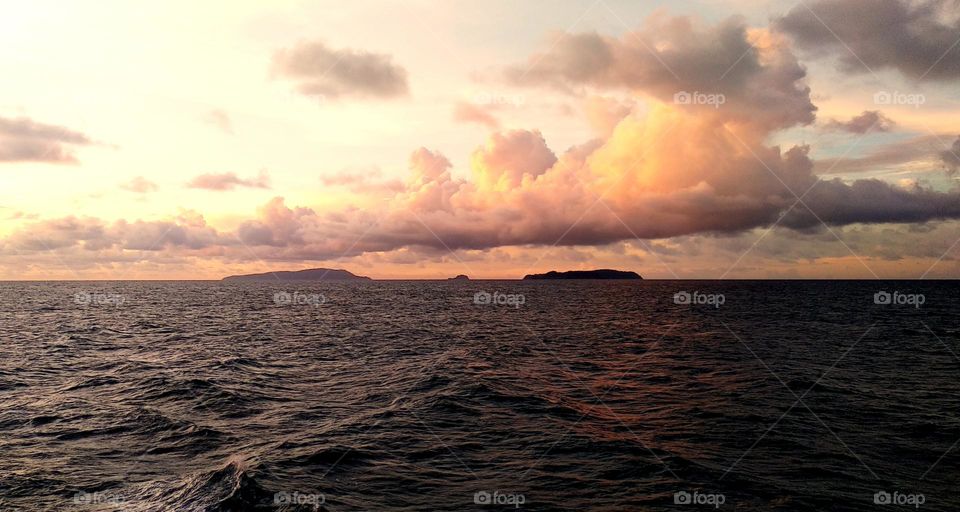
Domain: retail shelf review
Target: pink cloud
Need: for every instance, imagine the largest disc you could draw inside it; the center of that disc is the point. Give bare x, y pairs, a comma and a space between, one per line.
470, 113
229, 181
25, 140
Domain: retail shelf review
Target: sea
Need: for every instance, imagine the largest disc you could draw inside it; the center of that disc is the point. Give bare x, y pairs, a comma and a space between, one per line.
480, 395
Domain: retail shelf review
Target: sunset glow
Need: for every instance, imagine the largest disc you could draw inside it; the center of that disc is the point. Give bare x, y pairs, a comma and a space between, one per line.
424, 140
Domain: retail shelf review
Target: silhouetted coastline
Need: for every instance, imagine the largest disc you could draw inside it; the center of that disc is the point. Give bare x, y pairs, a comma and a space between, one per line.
606, 274
313, 274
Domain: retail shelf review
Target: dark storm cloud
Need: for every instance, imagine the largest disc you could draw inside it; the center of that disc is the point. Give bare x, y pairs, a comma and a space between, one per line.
327, 73
918, 38
25, 140
871, 201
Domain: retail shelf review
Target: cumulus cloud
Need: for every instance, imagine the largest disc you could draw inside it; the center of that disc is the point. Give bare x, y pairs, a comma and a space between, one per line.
868, 121
754, 70
605, 113
652, 187
139, 185
323, 72
229, 181
509, 158
917, 38
470, 113
25, 140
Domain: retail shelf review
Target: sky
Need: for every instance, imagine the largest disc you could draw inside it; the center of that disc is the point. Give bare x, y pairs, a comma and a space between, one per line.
418, 139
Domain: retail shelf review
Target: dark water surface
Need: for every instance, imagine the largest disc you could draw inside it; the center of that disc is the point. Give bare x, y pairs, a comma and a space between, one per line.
202, 396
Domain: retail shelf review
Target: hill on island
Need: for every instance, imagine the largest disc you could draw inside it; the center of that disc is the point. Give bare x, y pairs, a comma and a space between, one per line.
312, 274
585, 274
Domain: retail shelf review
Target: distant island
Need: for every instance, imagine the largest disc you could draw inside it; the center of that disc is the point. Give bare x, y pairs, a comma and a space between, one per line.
461, 277
312, 274
585, 274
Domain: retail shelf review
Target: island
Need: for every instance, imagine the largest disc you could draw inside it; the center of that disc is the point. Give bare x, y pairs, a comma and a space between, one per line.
585, 274
461, 277
311, 274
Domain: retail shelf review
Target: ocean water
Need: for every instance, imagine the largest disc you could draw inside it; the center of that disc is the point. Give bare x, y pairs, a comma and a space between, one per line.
482, 395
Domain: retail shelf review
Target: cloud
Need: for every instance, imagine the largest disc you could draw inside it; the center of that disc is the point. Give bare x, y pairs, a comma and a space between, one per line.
701, 182
868, 121
221, 120
872, 201
605, 113
667, 170
25, 140
362, 181
917, 38
327, 73
755, 70
229, 181
470, 113
509, 158
280, 226
17, 214
951, 157
187, 231
923, 150
140, 185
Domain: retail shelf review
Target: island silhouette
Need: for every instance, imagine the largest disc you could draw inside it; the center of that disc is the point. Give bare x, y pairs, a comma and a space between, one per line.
327, 274
311, 274
585, 274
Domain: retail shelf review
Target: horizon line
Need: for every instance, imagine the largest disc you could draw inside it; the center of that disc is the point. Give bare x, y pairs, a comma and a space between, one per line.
444, 279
